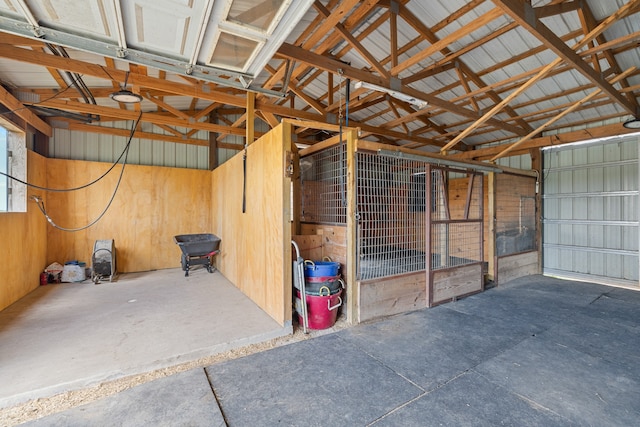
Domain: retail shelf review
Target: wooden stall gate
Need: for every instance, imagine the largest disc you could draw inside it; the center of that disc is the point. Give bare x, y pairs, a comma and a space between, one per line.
455, 231
419, 238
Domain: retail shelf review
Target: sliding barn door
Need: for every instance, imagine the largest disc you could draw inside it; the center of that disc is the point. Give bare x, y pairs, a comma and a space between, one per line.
590, 212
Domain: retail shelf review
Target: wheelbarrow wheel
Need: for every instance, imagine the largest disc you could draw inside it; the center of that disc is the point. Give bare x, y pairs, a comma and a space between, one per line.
185, 264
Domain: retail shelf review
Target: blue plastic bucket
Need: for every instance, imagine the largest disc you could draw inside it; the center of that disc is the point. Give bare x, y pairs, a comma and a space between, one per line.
321, 268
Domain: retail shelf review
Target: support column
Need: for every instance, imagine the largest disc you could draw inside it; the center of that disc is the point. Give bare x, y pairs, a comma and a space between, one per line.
213, 143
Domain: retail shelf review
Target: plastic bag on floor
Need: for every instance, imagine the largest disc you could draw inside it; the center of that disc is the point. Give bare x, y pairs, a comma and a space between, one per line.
73, 273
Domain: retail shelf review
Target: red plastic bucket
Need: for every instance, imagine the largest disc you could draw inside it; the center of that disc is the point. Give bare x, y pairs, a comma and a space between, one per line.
322, 310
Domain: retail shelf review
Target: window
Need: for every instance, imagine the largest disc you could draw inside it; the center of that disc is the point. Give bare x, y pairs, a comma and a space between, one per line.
13, 161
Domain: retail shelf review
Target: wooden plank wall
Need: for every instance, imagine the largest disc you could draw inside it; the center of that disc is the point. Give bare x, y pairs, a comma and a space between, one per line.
24, 241
449, 284
256, 245
152, 205
310, 246
510, 189
333, 242
457, 198
518, 265
386, 297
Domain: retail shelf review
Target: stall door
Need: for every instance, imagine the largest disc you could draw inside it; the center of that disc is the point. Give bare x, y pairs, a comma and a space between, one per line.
590, 212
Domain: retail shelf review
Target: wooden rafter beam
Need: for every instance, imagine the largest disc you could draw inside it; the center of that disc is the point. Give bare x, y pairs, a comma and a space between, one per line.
480, 22
588, 23
170, 130
523, 14
549, 122
178, 138
558, 8
315, 32
467, 88
166, 106
461, 66
545, 141
545, 70
154, 118
19, 109
354, 42
202, 91
328, 64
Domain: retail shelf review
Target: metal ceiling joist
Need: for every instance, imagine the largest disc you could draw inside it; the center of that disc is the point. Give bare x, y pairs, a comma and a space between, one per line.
203, 21
173, 65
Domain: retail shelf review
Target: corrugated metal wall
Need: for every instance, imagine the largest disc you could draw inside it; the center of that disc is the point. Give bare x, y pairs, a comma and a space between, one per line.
590, 211
516, 162
75, 145
225, 154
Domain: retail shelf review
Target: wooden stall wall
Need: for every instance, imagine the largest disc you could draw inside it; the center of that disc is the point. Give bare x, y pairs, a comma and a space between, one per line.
392, 295
457, 198
256, 244
332, 240
519, 265
453, 283
24, 241
152, 205
517, 252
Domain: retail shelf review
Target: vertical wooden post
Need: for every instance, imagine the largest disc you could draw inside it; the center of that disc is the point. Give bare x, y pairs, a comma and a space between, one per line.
491, 238
393, 32
213, 143
353, 294
536, 165
251, 117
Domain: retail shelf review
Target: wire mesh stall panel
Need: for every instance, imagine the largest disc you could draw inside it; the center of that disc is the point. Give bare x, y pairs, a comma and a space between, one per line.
391, 213
323, 176
455, 203
456, 209
515, 214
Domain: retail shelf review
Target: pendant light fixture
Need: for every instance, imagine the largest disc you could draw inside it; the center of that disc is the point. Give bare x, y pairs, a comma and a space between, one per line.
125, 95
633, 123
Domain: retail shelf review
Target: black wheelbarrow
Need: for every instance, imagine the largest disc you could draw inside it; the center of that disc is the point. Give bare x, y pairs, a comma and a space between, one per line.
197, 249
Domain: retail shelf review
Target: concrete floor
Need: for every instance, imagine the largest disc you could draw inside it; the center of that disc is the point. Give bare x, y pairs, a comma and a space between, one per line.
69, 336
535, 352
